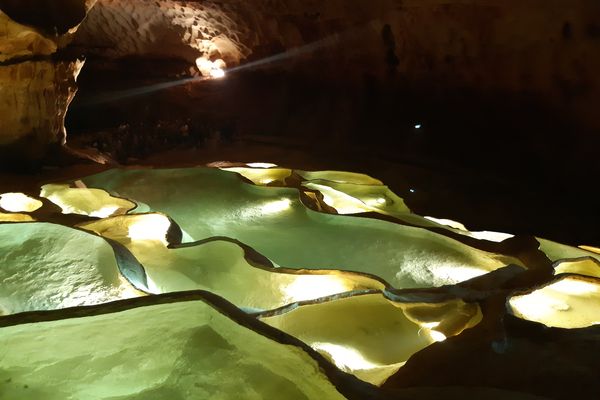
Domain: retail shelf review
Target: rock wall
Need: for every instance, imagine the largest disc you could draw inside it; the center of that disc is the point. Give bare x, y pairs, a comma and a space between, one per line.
18, 40
33, 104
549, 49
165, 29
35, 88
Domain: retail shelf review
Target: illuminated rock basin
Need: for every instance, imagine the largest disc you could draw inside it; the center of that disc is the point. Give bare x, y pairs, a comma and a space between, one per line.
153, 284
47, 266
156, 349
277, 224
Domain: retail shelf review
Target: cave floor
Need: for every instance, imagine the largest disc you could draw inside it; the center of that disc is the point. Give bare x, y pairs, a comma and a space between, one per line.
479, 200
491, 353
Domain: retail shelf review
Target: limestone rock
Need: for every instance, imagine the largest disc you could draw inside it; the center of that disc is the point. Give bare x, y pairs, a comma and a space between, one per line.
35, 91
17, 40
184, 346
369, 336
222, 266
164, 28
53, 17
34, 99
44, 268
252, 214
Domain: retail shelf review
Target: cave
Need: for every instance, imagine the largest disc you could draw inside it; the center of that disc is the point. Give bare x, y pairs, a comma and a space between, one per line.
299, 199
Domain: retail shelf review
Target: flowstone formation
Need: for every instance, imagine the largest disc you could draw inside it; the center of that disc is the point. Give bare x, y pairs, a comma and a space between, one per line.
256, 281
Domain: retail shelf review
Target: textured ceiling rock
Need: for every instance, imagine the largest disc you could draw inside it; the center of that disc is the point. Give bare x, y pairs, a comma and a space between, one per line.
165, 28
38, 28
439, 45
51, 16
232, 31
435, 46
17, 40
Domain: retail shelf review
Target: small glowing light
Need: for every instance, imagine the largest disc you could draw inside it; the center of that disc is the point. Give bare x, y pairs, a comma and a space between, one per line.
345, 358
437, 336
211, 69
418, 126
261, 165
276, 206
19, 202
150, 227
310, 287
412, 190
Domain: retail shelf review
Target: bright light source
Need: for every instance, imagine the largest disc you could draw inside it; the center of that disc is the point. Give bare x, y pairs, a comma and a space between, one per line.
418, 126
412, 190
211, 69
19, 202
217, 73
